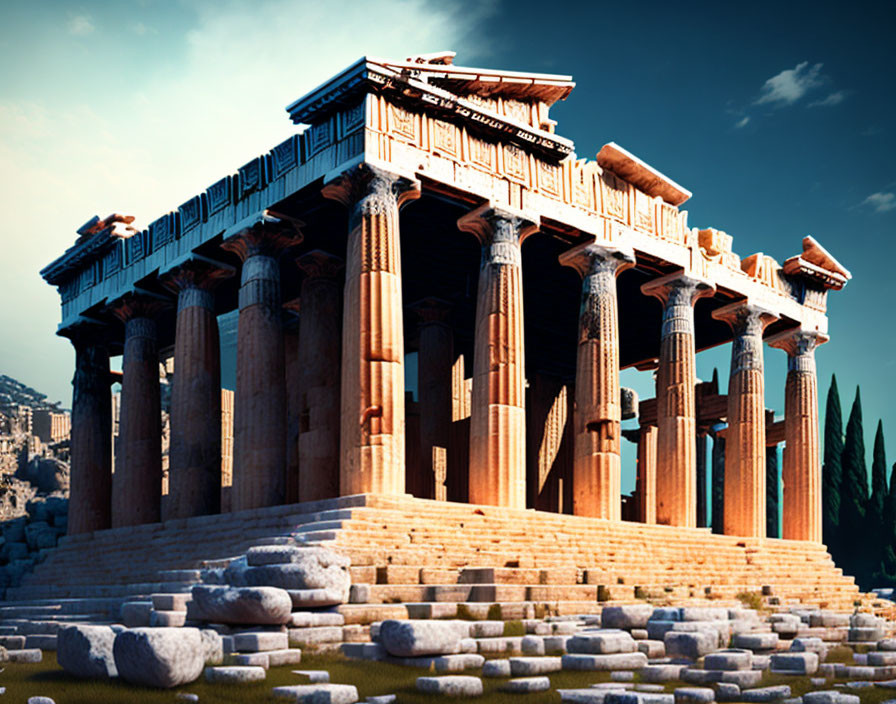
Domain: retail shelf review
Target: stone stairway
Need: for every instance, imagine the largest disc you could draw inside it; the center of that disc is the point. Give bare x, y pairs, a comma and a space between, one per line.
415, 556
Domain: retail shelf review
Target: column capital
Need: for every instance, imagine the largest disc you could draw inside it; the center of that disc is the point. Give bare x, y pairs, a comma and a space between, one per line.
195, 272
370, 187
492, 225
265, 233
319, 264
432, 311
679, 287
591, 258
797, 342
745, 317
86, 331
135, 304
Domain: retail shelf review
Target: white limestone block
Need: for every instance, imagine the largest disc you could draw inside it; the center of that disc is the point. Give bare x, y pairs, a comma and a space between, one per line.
213, 646
612, 661
689, 645
732, 659
451, 686
260, 641
318, 693
523, 666
602, 643
794, 663
525, 685
415, 638
159, 657
234, 674
496, 668
694, 695
86, 651
242, 605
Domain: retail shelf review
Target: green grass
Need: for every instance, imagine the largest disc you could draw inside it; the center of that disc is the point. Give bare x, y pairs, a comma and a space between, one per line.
371, 678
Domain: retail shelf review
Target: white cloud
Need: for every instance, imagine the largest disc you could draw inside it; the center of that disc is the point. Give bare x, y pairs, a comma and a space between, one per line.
790, 85
179, 129
834, 98
742, 122
881, 202
80, 25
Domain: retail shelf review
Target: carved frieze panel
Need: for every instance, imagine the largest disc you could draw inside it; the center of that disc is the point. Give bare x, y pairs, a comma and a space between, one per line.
613, 196
445, 138
583, 193
516, 163
670, 222
352, 119
317, 138
137, 247
112, 261
285, 157
253, 176
549, 178
519, 111
488, 103
190, 214
403, 123
643, 216
482, 153
219, 195
161, 232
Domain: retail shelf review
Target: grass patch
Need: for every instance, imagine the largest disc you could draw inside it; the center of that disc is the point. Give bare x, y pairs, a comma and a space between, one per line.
514, 628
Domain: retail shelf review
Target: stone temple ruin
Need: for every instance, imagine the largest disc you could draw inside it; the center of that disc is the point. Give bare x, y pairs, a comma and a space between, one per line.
394, 224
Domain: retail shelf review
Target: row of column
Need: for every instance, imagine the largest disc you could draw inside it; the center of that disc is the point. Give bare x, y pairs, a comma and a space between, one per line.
365, 372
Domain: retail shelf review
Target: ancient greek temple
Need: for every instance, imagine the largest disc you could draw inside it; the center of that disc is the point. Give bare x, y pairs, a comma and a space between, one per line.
429, 211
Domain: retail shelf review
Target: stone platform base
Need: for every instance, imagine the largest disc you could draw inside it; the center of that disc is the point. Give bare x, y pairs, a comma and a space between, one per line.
421, 558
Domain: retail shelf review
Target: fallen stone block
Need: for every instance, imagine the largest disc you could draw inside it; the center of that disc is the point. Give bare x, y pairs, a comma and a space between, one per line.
613, 661
828, 619
760, 695
582, 696
757, 642
242, 605
525, 685
694, 695
415, 638
732, 659
445, 663
487, 629
451, 686
689, 645
309, 568
653, 649
41, 641
865, 634
703, 613
661, 673
86, 651
523, 666
727, 692
556, 644
213, 646
638, 698
286, 656
315, 635
12, 642
167, 619
794, 663
880, 659
313, 676
234, 674
315, 598
318, 693
364, 651
830, 696
159, 657
626, 617
602, 643
260, 641
496, 668
499, 646
134, 614
25, 655
532, 645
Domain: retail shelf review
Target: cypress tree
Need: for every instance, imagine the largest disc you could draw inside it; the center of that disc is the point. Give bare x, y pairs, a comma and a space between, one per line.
854, 498
875, 521
890, 511
831, 479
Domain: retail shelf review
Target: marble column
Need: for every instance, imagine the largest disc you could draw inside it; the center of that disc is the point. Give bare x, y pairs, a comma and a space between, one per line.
90, 501
771, 491
718, 481
676, 471
745, 437
801, 471
434, 362
597, 463
292, 365
320, 355
700, 443
498, 413
259, 423
194, 466
646, 473
372, 444
137, 481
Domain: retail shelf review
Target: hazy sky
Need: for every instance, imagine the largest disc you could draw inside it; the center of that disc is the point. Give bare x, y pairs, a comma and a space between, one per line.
779, 118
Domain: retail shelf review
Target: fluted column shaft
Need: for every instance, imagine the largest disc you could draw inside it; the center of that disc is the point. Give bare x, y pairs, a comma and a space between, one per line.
320, 356
498, 413
801, 471
745, 468
137, 482
90, 501
372, 449
259, 423
293, 376
676, 471
597, 419
434, 363
646, 473
194, 467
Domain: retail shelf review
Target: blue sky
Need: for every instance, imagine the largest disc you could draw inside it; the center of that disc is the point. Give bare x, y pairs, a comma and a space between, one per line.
778, 116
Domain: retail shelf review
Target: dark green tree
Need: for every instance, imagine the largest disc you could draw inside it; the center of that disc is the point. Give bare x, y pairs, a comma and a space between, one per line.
854, 500
890, 511
874, 523
832, 475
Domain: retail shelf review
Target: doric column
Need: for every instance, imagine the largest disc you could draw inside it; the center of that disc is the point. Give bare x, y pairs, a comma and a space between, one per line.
771, 491
372, 450
498, 414
293, 374
434, 361
90, 502
801, 473
194, 455
700, 444
745, 437
646, 473
676, 470
718, 480
137, 482
598, 413
320, 356
259, 423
